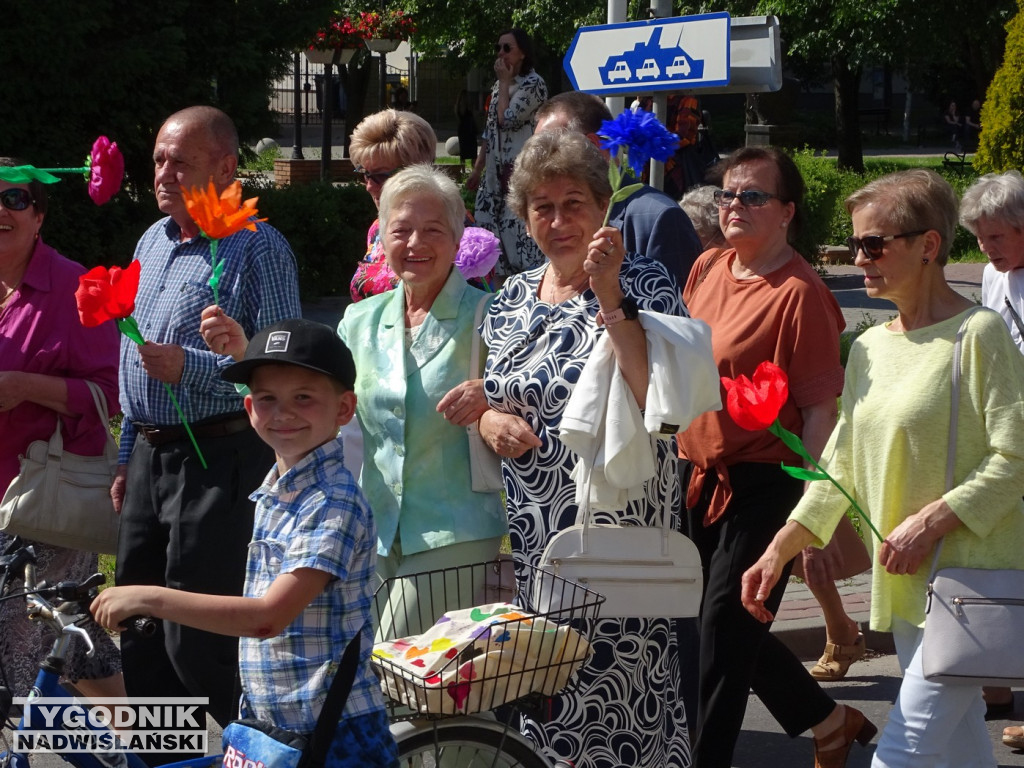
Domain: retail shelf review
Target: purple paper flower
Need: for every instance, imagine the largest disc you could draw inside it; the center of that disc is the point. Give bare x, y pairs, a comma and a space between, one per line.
478, 252
641, 135
106, 169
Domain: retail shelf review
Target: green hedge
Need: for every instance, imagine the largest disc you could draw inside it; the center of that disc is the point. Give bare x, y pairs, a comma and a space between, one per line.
325, 226
828, 223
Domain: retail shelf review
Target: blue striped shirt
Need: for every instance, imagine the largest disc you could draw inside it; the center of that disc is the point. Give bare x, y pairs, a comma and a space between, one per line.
314, 516
259, 287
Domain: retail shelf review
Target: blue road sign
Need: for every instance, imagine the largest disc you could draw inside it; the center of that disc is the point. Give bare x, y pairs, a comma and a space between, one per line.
677, 53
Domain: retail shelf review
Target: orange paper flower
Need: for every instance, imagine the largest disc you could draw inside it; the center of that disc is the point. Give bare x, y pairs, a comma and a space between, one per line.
221, 216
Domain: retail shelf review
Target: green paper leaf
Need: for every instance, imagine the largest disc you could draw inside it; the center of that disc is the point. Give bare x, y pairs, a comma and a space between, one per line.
130, 328
792, 441
625, 192
26, 174
803, 474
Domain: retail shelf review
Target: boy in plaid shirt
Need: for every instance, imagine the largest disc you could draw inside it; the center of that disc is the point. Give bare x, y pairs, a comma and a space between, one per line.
309, 576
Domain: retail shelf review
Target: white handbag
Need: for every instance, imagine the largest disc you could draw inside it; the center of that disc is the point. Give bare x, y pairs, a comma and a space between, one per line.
974, 616
484, 464
642, 571
61, 498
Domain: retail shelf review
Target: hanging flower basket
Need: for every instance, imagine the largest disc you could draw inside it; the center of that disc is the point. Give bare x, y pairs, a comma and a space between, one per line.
382, 44
319, 57
327, 56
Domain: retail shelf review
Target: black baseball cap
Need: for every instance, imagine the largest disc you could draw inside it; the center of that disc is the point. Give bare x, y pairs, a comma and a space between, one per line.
296, 342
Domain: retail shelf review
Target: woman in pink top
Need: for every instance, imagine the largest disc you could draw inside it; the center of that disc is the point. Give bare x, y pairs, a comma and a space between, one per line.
46, 357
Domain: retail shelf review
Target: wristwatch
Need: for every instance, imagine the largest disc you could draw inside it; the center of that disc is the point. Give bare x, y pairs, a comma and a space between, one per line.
628, 310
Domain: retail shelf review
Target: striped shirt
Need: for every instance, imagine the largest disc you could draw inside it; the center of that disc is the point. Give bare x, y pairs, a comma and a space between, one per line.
259, 287
314, 516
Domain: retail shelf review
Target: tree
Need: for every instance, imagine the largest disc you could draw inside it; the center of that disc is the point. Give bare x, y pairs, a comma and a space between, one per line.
1001, 144
76, 70
117, 68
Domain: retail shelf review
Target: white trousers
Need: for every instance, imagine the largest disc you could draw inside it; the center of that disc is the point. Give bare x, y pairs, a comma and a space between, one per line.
932, 725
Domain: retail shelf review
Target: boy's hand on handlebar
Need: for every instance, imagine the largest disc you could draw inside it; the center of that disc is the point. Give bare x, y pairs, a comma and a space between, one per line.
115, 604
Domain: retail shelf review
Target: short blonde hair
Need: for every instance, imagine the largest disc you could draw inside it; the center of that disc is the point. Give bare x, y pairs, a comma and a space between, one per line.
557, 154
423, 179
912, 200
393, 136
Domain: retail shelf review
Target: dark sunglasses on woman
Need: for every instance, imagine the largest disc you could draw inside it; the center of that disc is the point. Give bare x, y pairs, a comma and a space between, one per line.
378, 177
874, 245
16, 199
750, 198
499, 47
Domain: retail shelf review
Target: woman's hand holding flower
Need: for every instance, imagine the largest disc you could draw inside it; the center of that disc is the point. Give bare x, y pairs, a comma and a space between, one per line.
464, 404
507, 435
222, 334
604, 259
910, 542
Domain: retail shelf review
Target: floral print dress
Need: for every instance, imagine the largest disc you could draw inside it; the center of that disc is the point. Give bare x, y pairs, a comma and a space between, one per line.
629, 708
503, 143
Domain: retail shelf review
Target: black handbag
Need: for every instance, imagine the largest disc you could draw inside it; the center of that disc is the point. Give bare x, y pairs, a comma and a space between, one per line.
250, 741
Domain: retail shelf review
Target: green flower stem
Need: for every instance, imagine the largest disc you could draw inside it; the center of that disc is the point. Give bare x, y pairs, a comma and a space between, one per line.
83, 169
615, 177
174, 400
216, 268
130, 328
795, 444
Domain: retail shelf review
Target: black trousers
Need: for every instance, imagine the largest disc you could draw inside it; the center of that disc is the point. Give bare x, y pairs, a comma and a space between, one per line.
189, 528
737, 652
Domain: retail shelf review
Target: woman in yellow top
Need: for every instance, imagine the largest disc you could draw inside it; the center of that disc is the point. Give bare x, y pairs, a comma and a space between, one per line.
889, 451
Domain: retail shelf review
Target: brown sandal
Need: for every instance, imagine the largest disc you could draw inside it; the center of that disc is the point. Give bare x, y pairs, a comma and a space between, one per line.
836, 661
855, 727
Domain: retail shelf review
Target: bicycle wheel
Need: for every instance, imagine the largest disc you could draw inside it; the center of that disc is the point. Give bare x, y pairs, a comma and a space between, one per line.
466, 745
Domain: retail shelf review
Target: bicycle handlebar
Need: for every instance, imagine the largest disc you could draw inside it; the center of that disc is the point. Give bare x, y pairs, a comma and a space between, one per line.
143, 626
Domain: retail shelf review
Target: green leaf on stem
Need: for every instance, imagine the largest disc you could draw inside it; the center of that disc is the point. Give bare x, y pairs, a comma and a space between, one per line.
130, 328
625, 192
794, 443
803, 474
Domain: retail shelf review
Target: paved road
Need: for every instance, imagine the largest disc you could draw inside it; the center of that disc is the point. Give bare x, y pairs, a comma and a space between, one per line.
871, 687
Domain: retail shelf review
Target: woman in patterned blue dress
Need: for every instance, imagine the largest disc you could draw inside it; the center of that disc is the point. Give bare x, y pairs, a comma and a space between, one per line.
540, 331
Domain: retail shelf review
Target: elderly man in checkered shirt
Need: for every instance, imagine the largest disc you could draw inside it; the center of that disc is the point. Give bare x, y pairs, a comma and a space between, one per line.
183, 525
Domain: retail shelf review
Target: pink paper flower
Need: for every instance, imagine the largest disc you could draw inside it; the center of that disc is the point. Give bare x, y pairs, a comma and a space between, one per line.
106, 169
478, 252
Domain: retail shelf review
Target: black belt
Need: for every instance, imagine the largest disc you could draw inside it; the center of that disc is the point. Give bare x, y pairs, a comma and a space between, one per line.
217, 426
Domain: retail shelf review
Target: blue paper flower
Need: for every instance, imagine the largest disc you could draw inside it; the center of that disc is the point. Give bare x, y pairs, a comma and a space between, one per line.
641, 136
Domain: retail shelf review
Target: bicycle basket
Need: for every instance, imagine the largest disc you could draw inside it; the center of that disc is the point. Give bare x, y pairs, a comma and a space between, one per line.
488, 645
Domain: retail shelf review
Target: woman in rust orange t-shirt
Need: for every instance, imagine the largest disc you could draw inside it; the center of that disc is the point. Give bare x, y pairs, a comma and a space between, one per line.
763, 302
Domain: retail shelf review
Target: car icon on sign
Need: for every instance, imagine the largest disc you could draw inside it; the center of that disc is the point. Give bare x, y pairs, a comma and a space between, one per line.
679, 66
648, 69
619, 72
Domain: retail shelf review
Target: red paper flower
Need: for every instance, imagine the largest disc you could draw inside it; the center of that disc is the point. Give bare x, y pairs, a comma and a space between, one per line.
107, 294
106, 170
755, 405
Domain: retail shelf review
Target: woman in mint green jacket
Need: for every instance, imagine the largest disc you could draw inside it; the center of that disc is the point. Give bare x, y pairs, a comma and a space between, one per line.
416, 395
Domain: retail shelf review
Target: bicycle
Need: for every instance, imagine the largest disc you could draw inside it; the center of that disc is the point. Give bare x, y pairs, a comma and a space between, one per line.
64, 615
432, 730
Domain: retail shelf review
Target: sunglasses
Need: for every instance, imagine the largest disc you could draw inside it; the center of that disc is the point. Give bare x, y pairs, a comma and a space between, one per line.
378, 177
750, 198
16, 199
499, 47
874, 245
